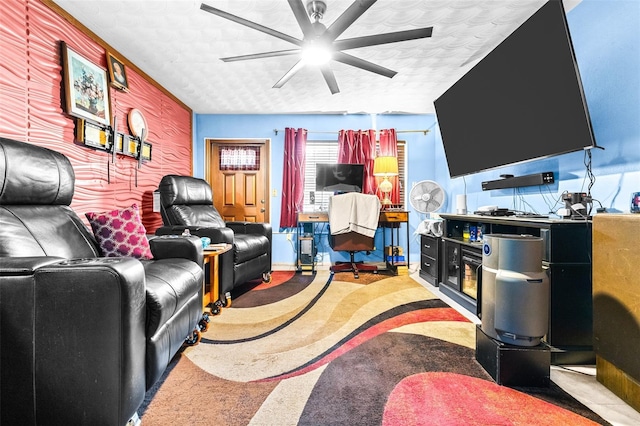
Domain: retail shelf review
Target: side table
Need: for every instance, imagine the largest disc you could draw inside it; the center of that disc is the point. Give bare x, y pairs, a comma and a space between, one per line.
211, 293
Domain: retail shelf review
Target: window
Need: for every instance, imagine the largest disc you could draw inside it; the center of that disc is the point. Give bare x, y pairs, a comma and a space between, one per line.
327, 152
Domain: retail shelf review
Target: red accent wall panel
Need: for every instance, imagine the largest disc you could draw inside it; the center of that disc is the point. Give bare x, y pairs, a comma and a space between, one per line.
32, 110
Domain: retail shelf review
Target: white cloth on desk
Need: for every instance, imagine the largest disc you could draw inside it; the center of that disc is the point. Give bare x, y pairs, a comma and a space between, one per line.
354, 212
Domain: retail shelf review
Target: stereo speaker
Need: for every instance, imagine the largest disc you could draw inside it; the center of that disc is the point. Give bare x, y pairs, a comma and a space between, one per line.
518, 181
461, 204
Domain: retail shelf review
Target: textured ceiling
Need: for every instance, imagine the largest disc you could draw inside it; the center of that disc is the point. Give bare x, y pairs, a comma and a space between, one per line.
179, 45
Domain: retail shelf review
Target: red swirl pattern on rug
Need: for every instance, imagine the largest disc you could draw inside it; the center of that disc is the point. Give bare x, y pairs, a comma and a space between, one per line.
446, 398
413, 317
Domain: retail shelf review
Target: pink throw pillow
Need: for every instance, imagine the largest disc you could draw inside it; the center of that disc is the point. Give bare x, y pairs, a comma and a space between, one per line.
120, 233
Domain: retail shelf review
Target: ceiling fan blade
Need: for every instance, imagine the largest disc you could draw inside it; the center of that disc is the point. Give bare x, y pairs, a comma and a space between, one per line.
347, 18
250, 24
297, 67
362, 64
300, 12
373, 40
330, 78
261, 55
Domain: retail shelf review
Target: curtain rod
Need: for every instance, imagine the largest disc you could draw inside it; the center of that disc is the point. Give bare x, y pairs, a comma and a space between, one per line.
397, 131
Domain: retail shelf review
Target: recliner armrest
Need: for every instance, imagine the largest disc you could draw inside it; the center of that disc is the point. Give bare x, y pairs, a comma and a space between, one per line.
217, 235
176, 246
81, 323
240, 227
22, 266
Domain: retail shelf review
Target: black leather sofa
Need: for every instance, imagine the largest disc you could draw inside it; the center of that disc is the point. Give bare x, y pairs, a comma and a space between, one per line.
82, 337
187, 203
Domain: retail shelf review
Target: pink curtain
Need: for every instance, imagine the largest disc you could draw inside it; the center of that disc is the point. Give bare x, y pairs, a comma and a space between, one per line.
359, 147
389, 147
295, 144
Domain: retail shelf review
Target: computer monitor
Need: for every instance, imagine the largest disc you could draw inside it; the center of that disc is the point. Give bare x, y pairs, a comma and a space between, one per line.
339, 177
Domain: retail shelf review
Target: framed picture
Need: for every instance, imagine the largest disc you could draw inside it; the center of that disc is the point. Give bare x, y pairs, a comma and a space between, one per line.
92, 135
118, 144
117, 73
130, 146
146, 151
86, 88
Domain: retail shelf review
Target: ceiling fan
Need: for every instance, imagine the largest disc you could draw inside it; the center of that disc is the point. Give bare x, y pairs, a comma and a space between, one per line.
318, 38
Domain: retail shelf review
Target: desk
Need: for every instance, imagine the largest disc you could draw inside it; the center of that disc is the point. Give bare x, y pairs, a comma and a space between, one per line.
388, 219
210, 256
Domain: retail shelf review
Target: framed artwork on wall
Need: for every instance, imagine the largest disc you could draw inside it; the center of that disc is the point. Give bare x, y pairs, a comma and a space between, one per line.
119, 143
92, 135
145, 152
86, 88
131, 146
117, 73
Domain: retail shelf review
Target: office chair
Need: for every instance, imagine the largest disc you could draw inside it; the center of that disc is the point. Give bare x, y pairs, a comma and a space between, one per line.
353, 220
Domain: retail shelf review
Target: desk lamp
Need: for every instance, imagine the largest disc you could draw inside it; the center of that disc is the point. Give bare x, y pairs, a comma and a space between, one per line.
385, 166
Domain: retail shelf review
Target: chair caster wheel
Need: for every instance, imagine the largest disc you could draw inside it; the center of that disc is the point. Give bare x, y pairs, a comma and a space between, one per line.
266, 277
204, 322
227, 302
216, 308
193, 339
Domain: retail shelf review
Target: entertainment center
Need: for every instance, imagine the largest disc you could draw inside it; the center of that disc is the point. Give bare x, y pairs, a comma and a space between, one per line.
455, 264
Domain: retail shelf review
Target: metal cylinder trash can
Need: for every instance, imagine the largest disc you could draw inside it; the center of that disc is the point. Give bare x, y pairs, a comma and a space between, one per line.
515, 289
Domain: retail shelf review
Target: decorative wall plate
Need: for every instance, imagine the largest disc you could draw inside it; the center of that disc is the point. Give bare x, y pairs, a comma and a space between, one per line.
137, 123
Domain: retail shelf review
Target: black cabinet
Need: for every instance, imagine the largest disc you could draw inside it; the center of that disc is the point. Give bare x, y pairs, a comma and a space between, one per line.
566, 260
429, 259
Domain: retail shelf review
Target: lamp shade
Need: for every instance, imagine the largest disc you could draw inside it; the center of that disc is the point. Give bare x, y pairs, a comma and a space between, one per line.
385, 166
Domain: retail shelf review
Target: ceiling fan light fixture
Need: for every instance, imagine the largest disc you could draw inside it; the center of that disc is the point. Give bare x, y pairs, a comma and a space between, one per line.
316, 9
320, 44
316, 53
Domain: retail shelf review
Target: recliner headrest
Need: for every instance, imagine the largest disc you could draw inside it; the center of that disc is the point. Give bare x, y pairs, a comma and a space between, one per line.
178, 190
34, 175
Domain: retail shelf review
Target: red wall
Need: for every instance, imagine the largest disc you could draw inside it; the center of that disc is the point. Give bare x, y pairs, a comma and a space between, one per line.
31, 110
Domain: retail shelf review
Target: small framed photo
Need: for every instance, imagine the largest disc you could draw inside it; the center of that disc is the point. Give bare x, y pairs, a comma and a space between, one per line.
117, 73
86, 88
131, 146
92, 135
146, 151
118, 144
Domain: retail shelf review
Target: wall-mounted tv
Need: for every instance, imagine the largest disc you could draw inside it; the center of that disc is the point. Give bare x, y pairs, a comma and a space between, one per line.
339, 177
522, 101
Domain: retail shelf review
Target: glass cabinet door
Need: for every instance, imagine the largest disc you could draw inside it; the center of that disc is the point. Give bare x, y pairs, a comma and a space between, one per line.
451, 263
471, 266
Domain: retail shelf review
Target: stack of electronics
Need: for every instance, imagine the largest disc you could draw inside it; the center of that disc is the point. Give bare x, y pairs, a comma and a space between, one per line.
496, 211
577, 205
493, 211
528, 215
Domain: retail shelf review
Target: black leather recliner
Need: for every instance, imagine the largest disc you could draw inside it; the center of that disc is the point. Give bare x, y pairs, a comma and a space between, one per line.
186, 202
82, 337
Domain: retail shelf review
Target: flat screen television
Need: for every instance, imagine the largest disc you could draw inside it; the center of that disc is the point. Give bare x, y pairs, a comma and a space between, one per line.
339, 177
523, 101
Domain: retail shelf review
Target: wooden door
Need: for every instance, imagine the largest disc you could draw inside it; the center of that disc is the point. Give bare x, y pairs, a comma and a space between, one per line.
240, 187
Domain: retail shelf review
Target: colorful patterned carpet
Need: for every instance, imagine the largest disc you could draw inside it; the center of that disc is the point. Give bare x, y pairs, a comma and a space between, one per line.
331, 350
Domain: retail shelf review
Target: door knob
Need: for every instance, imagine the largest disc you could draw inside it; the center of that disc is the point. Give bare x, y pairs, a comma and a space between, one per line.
262, 210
